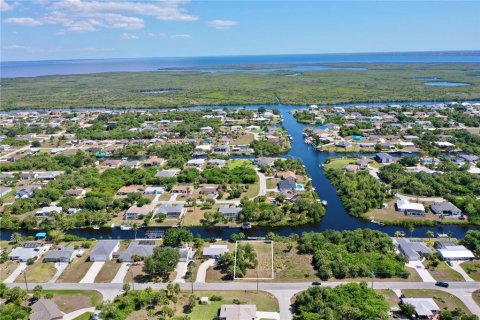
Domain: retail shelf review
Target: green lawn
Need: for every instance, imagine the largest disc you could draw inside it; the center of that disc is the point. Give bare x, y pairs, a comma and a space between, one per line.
444, 273
339, 163
472, 268
231, 164
39, 272
443, 299
85, 316
263, 300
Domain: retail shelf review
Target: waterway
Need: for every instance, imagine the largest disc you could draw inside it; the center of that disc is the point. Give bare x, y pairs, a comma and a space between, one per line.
336, 217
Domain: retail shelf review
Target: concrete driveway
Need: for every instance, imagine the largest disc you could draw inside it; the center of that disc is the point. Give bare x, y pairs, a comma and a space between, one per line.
92, 272
11, 278
182, 268
60, 268
202, 270
422, 272
268, 315
74, 314
457, 267
121, 273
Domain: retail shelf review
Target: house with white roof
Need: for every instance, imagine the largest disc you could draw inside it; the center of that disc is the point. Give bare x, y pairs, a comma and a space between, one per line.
410, 208
425, 308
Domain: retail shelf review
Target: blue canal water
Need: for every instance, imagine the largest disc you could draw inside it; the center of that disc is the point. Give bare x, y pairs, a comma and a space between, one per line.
446, 84
336, 217
13, 69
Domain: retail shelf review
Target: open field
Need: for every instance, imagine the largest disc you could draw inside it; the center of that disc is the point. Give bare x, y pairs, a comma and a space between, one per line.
263, 249
291, 266
444, 273
443, 299
472, 268
339, 163
71, 300
381, 82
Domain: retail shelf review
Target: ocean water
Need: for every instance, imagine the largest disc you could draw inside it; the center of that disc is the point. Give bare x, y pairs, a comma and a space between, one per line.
13, 69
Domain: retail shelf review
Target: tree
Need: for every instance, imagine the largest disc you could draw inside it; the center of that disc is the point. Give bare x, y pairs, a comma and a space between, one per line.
408, 309
56, 236
412, 228
430, 233
126, 288
175, 237
162, 262
16, 238
15, 295
135, 227
36, 144
37, 292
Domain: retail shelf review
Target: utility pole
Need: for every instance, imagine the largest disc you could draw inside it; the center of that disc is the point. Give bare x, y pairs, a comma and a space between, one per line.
25, 279
373, 275
257, 280
133, 280
192, 284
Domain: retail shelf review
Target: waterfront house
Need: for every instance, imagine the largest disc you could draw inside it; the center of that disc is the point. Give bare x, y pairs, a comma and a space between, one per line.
410, 208
413, 250
452, 252
287, 185
142, 249
171, 211
45, 211
104, 250
60, 254
135, 212
27, 251
384, 158
229, 212
445, 208
217, 163
264, 161
214, 250
286, 175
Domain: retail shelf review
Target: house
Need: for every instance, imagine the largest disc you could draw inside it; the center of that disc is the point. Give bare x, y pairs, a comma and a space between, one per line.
222, 149
60, 254
104, 249
135, 164
142, 249
264, 161
352, 168
45, 309
154, 190
171, 211
286, 175
384, 158
413, 250
45, 211
197, 163
452, 252
123, 191
445, 145
113, 163
343, 144
4, 191
76, 192
135, 212
238, 312
445, 208
183, 189
27, 191
167, 173
210, 190
217, 163
153, 161
410, 208
363, 162
230, 212
425, 308
287, 185
215, 250
28, 250
186, 254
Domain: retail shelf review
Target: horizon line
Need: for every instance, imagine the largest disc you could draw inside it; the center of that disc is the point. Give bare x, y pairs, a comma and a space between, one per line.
253, 55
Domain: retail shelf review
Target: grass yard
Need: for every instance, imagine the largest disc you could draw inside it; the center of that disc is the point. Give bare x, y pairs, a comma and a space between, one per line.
264, 258
272, 183
263, 300
7, 268
77, 269
252, 190
244, 139
39, 272
472, 268
85, 316
339, 163
390, 296
443, 272
291, 266
108, 272
71, 300
193, 216
231, 164
443, 299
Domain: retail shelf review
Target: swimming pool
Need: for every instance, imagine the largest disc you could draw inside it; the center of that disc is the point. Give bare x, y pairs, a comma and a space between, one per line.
300, 186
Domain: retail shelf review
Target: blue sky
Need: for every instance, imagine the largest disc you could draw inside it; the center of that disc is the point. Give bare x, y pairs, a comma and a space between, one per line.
74, 29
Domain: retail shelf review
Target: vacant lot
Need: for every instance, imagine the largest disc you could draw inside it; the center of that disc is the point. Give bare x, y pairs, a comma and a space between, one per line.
339, 163
291, 266
264, 253
108, 272
443, 272
7, 268
443, 299
38, 272
193, 216
390, 296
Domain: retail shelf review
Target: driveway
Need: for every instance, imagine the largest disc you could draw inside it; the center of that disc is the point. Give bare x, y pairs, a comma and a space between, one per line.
268, 315
422, 272
92, 272
121, 273
456, 266
182, 268
202, 270
263, 184
11, 278
74, 314
60, 268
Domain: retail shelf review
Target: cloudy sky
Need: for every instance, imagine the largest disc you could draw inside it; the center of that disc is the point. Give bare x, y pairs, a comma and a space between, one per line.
73, 29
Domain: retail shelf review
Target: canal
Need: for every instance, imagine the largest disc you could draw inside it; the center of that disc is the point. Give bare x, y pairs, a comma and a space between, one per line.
336, 217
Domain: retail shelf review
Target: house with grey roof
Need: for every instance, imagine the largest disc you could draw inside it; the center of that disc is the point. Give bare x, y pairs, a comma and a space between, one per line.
413, 250
171, 211
104, 250
384, 158
215, 250
167, 173
288, 184
238, 312
60, 254
45, 309
445, 208
142, 249
27, 251
229, 212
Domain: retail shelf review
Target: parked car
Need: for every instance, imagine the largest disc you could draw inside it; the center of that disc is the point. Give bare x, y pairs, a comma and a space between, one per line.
441, 284
80, 252
316, 283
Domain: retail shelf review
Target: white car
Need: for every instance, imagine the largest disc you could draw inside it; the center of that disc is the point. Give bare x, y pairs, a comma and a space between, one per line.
80, 252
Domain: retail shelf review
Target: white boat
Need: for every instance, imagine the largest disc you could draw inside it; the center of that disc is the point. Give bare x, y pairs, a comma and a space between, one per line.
442, 235
125, 227
96, 228
246, 226
324, 203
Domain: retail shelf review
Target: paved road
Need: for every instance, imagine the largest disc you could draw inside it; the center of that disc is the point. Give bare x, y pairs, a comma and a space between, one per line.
282, 291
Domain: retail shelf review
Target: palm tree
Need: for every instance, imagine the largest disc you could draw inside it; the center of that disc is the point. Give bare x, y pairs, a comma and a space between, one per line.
16, 238
430, 233
398, 234
135, 228
412, 228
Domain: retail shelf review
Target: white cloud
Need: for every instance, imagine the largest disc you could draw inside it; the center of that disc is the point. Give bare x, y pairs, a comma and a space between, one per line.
129, 36
15, 47
158, 34
91, 15
222, 24
181, 36
5, 6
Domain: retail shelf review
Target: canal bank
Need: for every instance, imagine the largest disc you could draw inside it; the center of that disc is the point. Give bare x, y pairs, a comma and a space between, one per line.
336, 217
